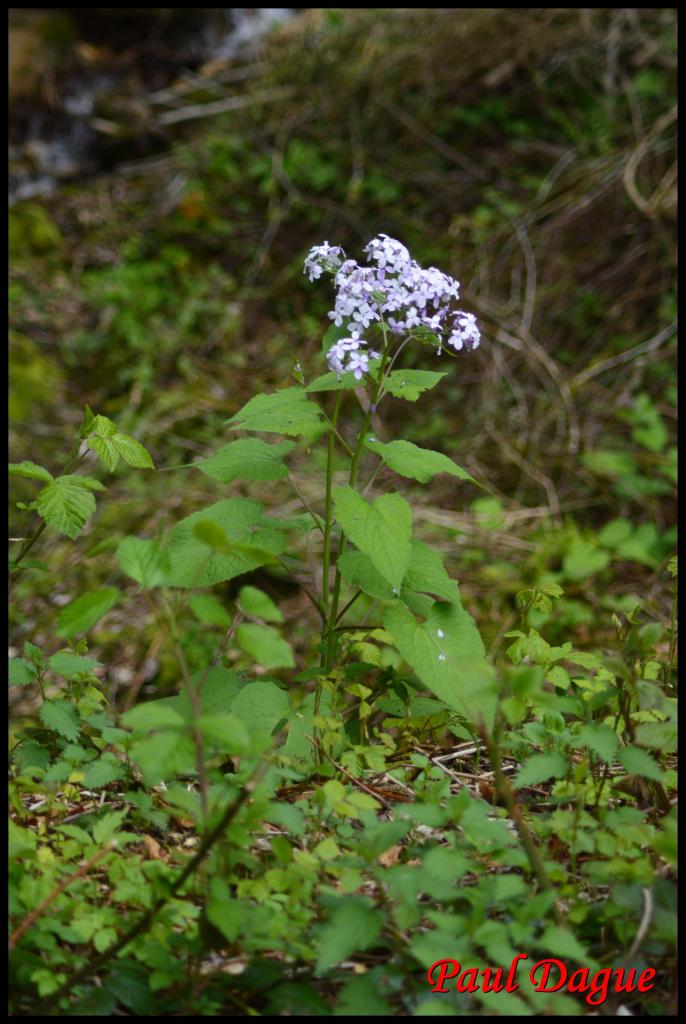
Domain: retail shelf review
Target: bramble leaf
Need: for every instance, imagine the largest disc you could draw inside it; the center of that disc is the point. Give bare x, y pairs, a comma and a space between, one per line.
67, 503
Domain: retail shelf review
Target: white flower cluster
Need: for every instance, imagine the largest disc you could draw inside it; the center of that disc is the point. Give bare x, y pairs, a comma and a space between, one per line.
392, 288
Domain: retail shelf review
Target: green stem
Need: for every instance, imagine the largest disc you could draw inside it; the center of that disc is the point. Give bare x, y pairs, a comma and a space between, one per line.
328, 518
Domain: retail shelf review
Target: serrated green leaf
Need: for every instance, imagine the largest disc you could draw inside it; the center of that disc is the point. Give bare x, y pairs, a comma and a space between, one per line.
283, 412
264, 646
209, 610
541, 767
601, 739
153, 715
332, 382
562, 943
83, 612
66, 503
132, 452
102, 426
410, 384
261, 705
144, 561
447, 653
640, 762
70, 666
255, 602
61, 716
101, 772
105, 828
381, 529
21, 672
253, 543
105, 450
414, 462
248, 459
353, 926
30, 470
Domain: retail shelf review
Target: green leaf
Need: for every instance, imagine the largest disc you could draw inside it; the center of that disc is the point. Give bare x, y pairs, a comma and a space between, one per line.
354, 925
410, 384
261, 705
332, 382
67, 503
249, 459
541, 767
30, 470
609, 463
382, 530
101, 772
21, 672
69, 665
253, 541
255, 602
447, 653
226, 732
209, 610
583, 559
61, 716
425, 574
83, 612
144, 561
562, 943
421, 464
283, 412
101, 425
264, 646
105, 828
110, 448
151, 715
601, 739
640, 762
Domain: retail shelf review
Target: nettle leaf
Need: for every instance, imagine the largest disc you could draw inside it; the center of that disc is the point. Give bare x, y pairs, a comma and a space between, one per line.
447, 653
253, 542
354, 925
283, 412
69, 665
640, 762
601, 739
61, 716
30, 470
21, 672
255, 602
265, 646
144, 561
67, 503
112, 447
541, 767
261, 705
209, 610
248, 459
103, 771
382, 530
421, 464
410, 384
83, 612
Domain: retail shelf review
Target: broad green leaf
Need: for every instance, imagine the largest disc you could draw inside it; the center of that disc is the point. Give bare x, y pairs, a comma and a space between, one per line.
265, 646
541, 767
153, 715
253, 540
163, 755
426, 573
288, 411
561, 942
353, 926
583, 559
640, 762
102, 426
382, 530
219, 687
410, 384
101, 772
66, 503
447, 653
421, 464
255, 602
601, 739
21, 672
213, 535
332, 382
261, 705
72, 665
61, 716
249, 459
357, 569
226, 732
144, 561
30, 470
83, 612
209, 610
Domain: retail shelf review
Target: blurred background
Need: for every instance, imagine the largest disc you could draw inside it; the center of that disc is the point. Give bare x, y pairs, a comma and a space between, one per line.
169, 170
